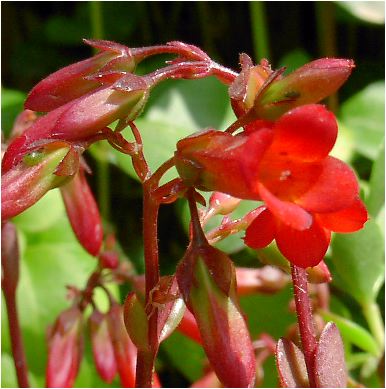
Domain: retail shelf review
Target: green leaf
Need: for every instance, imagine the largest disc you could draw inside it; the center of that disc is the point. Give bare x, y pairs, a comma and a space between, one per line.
358, 261
185, 355
353, 332
363, 114
376, 198
366, 11
42, 215
176, 110
11, 105
294, 59
9, 379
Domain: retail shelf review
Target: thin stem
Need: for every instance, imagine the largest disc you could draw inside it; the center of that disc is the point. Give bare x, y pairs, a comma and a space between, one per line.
139, 162
157, 175
374, 319
96, 19
102, 171
259, 29
16, 340
198, 238
305, 319
146, 358
326, 28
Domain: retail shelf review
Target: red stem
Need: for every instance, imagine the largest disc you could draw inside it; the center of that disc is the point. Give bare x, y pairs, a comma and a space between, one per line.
16, 340
305, 320
146, 358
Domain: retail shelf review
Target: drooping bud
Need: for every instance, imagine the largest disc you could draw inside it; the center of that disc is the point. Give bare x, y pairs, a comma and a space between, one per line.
81, 118
206, 278
309, 84
124, 350
33, 177
221, 203
65, 348
71, 82
83, 213
102, 346
109, 259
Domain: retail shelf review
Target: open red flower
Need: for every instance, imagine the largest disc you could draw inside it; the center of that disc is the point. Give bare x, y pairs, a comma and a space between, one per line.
286, 164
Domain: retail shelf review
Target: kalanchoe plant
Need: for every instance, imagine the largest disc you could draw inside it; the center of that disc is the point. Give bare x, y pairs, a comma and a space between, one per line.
276, 153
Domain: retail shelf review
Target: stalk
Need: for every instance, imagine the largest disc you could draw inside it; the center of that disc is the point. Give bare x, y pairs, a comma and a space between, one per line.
16, 340
259, 30
305, 320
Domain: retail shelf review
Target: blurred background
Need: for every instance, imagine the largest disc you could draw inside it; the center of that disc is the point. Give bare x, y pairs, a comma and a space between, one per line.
40, 37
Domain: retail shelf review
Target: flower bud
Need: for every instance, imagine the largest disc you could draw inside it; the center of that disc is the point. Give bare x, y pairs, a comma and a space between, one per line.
309, 84
208, 158
102, 346
109, 259
32, 178
83, 213
71, 82
124, 350
206, 279
65, 348
221, 203
262, 280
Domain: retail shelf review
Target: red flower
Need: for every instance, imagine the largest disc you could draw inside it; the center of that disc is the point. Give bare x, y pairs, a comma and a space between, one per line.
307, 193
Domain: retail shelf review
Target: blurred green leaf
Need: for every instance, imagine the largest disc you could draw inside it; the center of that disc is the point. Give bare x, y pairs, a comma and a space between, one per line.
177, 110
185, 354
294, 59
41, 215
353, 332
74, 30
376, 198
364, 115
358, 261
8, 376
367, 11
11, 105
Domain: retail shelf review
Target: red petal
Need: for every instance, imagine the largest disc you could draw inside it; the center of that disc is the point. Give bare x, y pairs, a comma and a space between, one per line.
261, 232
347, 220
334, 189
303, 248
288, 213
307, 133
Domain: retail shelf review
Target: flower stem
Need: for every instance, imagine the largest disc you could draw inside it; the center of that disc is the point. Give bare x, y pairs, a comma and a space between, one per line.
16, 340
146, 358
374, 319
259, 29
305, 319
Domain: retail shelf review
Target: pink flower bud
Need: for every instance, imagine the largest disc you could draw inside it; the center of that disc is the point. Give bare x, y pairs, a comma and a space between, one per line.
65, 348
71, 82
32, 178
83, 213
109, 259
222, 203
206, 279
307, 85
124, 350
102, 346
262, 280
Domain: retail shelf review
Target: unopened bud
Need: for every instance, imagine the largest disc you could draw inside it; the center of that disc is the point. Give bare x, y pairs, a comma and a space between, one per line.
307, 85
65, 348
28, 181
102, 346
83, 213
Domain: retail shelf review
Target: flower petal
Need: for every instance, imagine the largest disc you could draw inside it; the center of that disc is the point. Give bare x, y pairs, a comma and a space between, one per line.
307, 133
335, 188
347, 220
288, 213
261, 232
303, 248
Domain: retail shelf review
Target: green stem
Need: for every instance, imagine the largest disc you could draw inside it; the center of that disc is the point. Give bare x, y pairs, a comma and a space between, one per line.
326, 28
259, 30
374, 319
96, 19
102, 171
